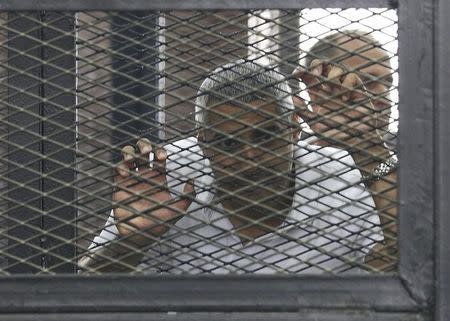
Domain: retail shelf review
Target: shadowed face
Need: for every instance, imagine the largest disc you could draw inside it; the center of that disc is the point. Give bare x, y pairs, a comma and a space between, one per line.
250, 148
373, 67
343, 120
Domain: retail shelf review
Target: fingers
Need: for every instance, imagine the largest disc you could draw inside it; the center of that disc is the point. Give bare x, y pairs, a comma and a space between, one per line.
331, 81
128, 155
335, 74
123, 170
189, 188
144, 147
316, 67
349, 83
319, 76
353, 88
302, 110
159, 161
310, 75
127, 164
299, 72
187, 197
134, 158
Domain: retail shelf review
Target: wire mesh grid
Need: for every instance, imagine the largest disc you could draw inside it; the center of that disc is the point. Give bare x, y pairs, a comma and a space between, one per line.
199, 142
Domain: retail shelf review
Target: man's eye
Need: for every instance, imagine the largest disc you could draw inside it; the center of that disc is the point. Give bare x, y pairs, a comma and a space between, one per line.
262, 138
228, 144
265, 136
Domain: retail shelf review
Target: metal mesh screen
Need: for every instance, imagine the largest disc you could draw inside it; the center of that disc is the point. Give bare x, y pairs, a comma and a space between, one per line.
199, 142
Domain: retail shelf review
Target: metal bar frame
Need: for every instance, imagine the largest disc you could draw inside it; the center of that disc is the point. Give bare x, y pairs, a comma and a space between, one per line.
60, 255
442, 171
33, 105
41, 99
420, 290
129, 5
145, 87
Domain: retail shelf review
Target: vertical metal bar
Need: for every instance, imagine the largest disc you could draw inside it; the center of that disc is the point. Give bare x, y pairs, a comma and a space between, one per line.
136, 79
161, 67
442, 169
59, 142
44, 222
289, 36
416, 152
263, 33
4, 142
25, 145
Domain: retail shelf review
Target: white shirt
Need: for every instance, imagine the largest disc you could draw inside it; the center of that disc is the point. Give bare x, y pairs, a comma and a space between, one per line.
331, 226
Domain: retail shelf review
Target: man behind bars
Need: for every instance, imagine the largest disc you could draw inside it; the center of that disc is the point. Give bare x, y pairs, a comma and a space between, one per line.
243, 197
348, 77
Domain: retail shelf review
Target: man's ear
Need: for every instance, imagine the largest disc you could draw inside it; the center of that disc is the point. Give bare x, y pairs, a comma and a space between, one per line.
200, 135
303, 110
296, 120
201, 138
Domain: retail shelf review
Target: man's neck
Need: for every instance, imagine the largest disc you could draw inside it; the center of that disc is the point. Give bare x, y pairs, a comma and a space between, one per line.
366, 155
248, 231
370, 158
249, 224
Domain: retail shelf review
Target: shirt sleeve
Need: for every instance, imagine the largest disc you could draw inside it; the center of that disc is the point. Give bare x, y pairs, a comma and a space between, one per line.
185, 161
344, 210
108, 234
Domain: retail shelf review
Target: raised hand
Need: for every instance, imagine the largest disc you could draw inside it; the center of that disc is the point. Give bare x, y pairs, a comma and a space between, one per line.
144, 208
342, 106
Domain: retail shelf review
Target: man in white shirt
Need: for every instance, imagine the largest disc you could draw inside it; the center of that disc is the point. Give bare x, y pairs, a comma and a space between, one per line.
244, 197
348, 76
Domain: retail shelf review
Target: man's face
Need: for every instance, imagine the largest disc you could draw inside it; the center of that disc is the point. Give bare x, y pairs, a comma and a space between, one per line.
341, 119
250, 148
373, 68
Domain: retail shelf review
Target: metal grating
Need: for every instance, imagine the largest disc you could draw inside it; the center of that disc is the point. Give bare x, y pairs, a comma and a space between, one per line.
280, 154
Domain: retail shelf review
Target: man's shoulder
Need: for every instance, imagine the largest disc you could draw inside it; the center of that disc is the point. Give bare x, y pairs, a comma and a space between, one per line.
184, 150
315, 155
189, 143
185, 161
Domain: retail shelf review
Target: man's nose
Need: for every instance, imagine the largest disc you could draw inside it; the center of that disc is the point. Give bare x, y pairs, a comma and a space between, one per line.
252, 153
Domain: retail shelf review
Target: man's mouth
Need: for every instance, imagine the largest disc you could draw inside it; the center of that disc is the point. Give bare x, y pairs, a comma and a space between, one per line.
251, 181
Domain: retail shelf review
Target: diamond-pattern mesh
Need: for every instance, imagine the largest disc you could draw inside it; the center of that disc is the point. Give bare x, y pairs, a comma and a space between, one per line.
199, 142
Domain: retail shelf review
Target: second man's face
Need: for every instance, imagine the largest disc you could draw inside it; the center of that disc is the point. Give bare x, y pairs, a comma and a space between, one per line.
343, 120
